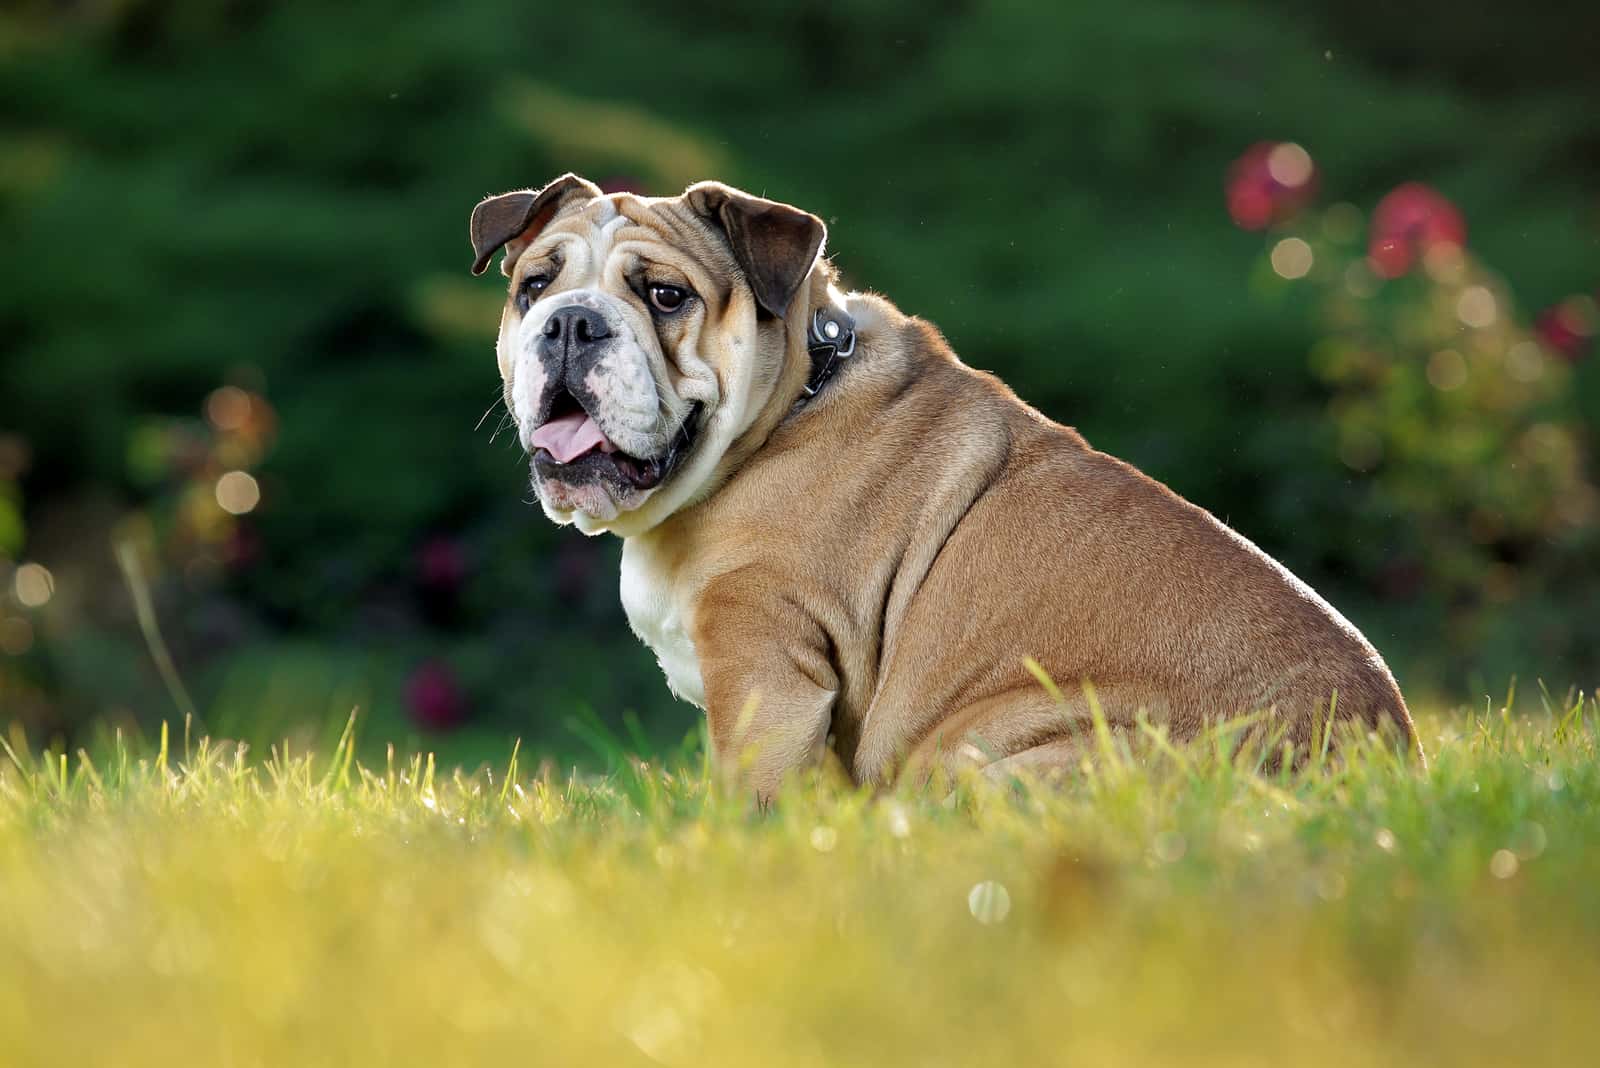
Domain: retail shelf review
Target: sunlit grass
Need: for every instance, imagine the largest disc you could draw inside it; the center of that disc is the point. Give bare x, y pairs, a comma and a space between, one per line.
197, 905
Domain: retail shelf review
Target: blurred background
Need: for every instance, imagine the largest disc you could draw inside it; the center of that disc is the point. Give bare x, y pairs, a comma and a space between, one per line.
1329, 270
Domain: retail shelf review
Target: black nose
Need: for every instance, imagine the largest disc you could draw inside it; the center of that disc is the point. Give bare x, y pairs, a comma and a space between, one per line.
574, 328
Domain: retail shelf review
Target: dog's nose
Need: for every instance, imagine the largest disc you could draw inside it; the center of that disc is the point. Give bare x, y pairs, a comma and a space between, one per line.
574, 328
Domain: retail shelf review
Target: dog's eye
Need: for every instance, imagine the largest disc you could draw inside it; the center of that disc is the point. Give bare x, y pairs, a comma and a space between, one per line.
667, 299
532, 286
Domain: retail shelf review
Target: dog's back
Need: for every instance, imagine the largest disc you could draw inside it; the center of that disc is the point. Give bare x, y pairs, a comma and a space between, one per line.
1056, 552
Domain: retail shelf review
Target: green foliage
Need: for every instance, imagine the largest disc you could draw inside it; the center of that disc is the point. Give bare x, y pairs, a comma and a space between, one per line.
1475, 491
274, 196
1163, 904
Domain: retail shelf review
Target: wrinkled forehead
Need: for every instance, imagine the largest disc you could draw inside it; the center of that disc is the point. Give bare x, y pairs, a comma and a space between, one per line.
646, 225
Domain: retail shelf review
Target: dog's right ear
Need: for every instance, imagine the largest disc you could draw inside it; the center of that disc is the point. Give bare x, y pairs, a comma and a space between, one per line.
512, 220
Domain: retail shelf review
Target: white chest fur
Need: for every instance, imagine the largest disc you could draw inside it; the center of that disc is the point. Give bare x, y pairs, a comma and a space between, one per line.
659, 621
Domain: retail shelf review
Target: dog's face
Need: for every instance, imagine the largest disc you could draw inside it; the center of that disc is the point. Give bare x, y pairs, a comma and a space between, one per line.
640, 338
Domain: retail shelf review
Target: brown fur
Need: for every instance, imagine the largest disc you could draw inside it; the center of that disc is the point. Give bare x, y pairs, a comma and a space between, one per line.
876, 564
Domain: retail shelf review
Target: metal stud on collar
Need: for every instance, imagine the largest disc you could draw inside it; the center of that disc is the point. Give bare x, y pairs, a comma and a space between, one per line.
830, 338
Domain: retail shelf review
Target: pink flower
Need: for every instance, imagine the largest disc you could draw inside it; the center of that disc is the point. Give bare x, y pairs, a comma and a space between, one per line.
1271, 182
1568, 328
434, 697
1408, 222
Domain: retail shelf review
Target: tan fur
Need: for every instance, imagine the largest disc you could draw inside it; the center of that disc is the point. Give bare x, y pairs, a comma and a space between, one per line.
875, 565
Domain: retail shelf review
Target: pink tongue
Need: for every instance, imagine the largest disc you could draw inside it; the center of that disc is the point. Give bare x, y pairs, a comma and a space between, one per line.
570, 436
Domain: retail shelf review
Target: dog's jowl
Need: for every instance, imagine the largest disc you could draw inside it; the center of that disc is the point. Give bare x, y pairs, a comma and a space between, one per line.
837, 533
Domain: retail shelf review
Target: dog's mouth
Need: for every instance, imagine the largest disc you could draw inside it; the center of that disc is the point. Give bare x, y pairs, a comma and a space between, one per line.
570, 445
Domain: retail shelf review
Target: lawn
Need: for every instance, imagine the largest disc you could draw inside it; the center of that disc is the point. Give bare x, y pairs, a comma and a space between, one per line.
198, 905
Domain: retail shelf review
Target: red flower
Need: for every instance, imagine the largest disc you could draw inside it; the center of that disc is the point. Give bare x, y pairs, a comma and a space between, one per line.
1568, 328
434, 698
1271, 182
1408, 222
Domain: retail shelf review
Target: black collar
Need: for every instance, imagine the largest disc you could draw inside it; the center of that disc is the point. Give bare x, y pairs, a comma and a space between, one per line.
830, 338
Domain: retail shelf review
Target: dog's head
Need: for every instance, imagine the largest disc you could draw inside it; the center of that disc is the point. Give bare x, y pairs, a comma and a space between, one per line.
642, 337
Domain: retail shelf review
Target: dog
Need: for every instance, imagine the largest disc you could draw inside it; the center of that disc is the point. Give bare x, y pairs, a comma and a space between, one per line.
837, 534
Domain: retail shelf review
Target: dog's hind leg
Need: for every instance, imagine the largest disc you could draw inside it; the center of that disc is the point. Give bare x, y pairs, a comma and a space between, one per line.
1050, 761
1031, 733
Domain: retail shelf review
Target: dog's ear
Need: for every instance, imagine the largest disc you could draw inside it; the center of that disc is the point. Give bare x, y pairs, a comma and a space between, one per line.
775, 244
512, 220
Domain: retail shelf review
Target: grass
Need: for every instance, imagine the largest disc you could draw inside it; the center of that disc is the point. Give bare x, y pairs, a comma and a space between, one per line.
1167, 905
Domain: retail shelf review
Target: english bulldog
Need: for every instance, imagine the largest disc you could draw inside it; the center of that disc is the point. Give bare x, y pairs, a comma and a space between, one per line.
837, 534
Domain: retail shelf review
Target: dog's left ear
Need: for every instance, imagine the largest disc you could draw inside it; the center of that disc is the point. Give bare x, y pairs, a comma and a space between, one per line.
512, 220
775, 244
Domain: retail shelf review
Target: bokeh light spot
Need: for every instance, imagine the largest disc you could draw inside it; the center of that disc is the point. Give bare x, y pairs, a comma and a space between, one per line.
228, 408
1525, 361
34, 585
1292, 258
1504, 864
238, 493
1331, 885
1289, 165
1476, 307
1530, 841
989, 902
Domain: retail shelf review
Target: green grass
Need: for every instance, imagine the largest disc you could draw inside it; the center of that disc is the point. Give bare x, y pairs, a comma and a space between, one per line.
210, 909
